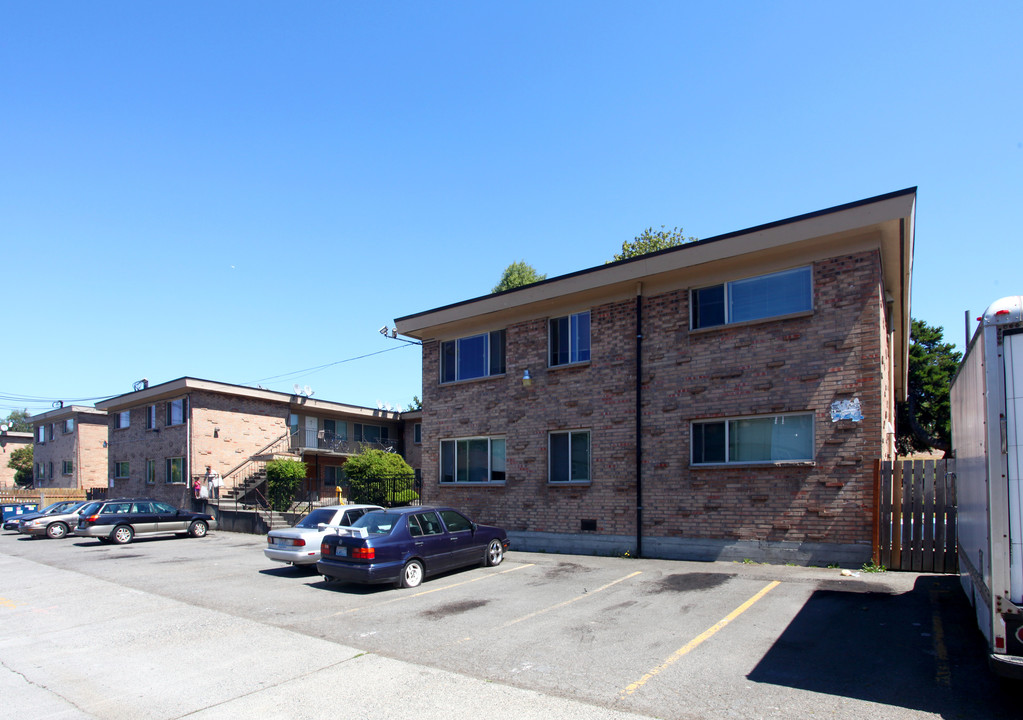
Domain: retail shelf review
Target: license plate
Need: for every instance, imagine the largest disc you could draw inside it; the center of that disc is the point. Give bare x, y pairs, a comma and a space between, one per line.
281, 543
341, 551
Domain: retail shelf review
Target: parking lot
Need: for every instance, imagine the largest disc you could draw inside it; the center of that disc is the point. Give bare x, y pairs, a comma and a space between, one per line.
168, 628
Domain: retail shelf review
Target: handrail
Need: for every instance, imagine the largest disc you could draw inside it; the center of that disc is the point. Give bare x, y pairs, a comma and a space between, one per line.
249, 459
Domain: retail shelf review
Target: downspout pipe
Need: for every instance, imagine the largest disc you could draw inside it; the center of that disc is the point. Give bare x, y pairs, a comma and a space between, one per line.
639, 419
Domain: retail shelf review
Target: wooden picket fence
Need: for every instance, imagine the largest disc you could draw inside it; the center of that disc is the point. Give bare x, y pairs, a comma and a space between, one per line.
915, 515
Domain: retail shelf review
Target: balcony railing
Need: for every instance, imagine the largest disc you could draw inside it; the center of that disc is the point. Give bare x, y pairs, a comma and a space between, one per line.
330, 442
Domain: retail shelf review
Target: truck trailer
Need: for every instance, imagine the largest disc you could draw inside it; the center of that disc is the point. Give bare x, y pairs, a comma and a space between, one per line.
987, 442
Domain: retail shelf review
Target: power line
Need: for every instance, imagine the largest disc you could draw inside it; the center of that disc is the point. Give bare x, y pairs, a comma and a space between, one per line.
295, 374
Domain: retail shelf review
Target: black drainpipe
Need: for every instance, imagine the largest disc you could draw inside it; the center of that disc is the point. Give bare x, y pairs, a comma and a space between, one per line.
639, 420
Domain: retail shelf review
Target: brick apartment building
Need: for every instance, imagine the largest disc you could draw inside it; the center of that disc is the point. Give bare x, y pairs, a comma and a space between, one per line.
70, 448
723, 399
11, 440
163, 436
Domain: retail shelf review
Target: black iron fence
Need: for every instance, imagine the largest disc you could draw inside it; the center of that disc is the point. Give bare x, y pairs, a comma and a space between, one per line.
387, 490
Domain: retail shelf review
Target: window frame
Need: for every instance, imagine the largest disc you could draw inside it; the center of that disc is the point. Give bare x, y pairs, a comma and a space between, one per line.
181, 402
494, 361
122, 468
67, 467
69, 426
168, 470
728, 310
491, 470
150, 477
122, 420
417, 433
151, 417
574, 350
41, 435
728, 423
569, 457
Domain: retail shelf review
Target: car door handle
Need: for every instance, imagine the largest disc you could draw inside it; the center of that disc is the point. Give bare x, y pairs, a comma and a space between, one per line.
418, 544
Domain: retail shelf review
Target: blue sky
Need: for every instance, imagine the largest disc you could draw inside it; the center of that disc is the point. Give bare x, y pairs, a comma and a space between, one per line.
247, 191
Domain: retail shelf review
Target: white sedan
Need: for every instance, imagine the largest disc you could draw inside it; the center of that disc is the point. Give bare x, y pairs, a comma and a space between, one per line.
300, 545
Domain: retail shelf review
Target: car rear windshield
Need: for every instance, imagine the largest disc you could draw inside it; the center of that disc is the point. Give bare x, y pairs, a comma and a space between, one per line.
93, 507
316, 517
378, 523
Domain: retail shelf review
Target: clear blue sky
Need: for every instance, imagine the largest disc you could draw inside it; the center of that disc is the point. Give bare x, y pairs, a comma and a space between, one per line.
240, 191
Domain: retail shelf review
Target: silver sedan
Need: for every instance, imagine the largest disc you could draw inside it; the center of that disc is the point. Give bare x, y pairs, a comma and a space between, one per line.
55, 525
300, 545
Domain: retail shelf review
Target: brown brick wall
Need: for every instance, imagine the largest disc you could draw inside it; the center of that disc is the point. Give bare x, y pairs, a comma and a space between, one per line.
8, 444
797, 364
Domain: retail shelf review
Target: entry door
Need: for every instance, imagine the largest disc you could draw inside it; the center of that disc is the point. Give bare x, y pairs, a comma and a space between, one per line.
311, 429
1013, 349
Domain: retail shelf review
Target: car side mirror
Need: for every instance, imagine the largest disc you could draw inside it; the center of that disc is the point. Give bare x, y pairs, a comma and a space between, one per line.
474, 526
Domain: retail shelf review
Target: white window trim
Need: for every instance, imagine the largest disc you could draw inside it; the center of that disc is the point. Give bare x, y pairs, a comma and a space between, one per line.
490, 456
767, 318
571, 346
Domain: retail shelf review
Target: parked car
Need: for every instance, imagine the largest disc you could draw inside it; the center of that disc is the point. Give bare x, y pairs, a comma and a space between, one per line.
120, 520
406, 545
54, 525
300, 545
13, 512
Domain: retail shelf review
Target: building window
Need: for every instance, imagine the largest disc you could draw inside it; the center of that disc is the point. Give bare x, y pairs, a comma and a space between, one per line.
150, 417
771, 438
121, 469
370, 433
41, 471
67, 467
175, 470
41, 434
150, 472
569, 339
472, 460
69, 426
417, 433
176, 411
472, 357
569, 456
49, 473
50, 433
780, 293
122, 419
333, 475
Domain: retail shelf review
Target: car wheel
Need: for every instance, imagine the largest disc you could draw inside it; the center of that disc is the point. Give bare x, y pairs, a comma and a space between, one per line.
122, 534
495, 553
197, 529
56, 530
412, 575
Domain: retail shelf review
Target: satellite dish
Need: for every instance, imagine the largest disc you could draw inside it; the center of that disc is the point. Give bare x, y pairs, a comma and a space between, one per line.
3, 428
308, 391
297, 389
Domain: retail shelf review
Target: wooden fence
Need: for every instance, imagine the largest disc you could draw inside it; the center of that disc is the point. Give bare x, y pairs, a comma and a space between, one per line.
48, 496
915, 515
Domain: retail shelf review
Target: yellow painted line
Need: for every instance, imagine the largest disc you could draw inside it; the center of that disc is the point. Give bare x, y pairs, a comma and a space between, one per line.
4, 602
405, 597
569, 602
706, 634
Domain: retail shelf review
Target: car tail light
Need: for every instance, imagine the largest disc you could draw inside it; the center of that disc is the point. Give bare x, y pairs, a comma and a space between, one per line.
364, 553
298, 542
324, 549
92, 518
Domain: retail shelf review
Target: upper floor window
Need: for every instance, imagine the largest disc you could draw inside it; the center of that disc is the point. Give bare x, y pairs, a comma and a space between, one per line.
472, 460
370, 433
471, 357
122, 419
764, 296
49, 434
766, 438
569, 339
41, 434
69, 426
121, 469
176, 411
150, 472
417, 433
67, 467
150, 417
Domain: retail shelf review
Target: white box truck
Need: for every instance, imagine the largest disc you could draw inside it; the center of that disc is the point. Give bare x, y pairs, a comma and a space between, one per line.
987, 439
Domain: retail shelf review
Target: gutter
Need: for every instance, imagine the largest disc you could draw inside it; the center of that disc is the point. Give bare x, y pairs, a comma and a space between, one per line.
639, 419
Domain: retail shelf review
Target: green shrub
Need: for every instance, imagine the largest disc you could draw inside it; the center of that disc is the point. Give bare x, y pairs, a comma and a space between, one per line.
380, 478
283, 479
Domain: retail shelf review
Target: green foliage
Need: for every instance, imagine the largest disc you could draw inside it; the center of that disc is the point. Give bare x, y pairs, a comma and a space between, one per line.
516, 275
651, 240
870, 567
18, 421
283, 479
924, 421
380, 478
415, 404
22, 462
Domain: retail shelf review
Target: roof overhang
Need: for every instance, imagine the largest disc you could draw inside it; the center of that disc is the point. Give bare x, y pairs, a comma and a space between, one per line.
184, 385
885, 223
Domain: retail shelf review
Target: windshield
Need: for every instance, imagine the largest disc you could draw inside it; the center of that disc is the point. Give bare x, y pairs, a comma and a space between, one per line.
377, 523
316, 517
91, 508
55, 507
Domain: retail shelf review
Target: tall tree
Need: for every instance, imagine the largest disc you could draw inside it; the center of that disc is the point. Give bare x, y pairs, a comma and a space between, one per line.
651, 240
18, 421
924, 421
516, 275
21, 461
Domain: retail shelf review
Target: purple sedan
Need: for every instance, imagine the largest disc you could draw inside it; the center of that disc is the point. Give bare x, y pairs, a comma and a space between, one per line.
404, 545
